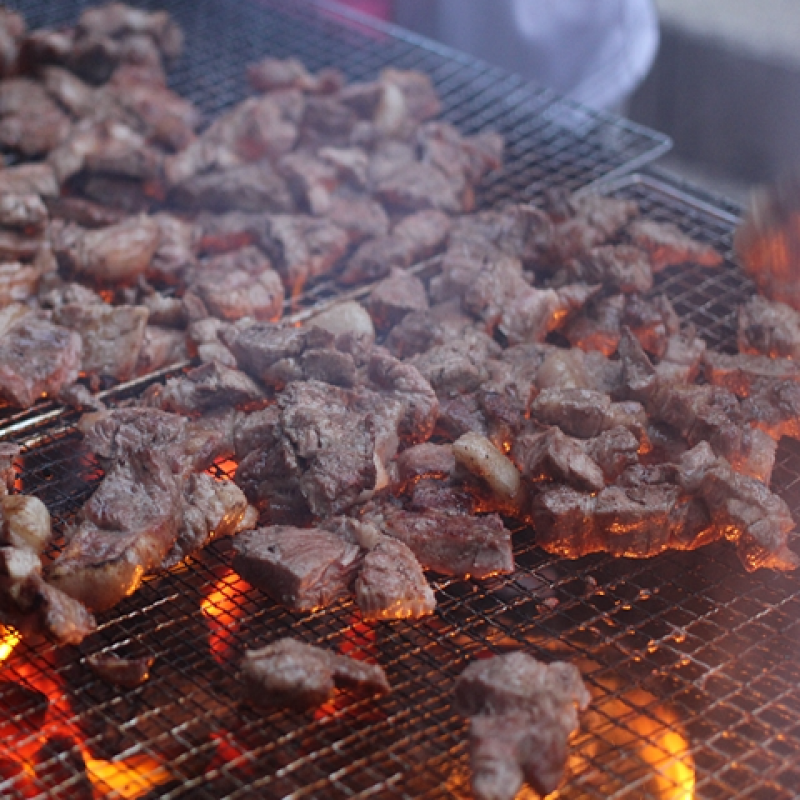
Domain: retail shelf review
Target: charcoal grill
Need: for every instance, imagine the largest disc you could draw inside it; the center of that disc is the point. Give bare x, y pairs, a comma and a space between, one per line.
692, 663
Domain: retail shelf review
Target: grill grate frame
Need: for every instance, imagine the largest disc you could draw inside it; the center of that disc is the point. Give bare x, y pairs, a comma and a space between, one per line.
682, 647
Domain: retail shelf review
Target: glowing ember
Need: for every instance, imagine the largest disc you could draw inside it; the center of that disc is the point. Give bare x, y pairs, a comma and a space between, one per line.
9, 639
126, 779
223, 607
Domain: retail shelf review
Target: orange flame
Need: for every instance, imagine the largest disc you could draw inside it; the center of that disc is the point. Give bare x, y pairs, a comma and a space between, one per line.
223, 607
9, 639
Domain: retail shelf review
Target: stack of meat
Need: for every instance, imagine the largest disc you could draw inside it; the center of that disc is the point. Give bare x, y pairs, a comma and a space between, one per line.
125, 219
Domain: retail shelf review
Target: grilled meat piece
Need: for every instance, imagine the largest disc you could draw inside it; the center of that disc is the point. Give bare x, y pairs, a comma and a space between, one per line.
303, 568
621, 267
391, 584
29, 179
651, 322
359, 217
419, 187
30, 121
270, 74
82, 212
426, 230
668, 246
291, 673
311, 181
745, 373
211, 509
125, 672
302, 248
161, 347
396, 296
632, 521
33, 606
552, 456
597, 325
585, 413
37, 358
375, 258
450, 543
458, 366
614, 451
418, 331
682, 357
278, 355
522, 715
240, 284
247, 187
112, 337
769, 328
425, 460
24, 212
174, 257
111, 255
774, 407
203, 389
12, 31
327, 450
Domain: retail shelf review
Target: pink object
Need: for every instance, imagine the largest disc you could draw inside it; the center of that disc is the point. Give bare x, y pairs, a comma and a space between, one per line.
374, 8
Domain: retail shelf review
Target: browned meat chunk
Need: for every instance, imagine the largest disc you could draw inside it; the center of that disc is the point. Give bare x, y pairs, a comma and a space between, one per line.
523, 713
621, 267
270, 74
310, 180
774, 407
519, 231
375, 258
291, 673
613, 451
33, 606
37, 358
427, 231
459, 366
420, 187
391, 584
278, 355
682, 358
636, 522
239, 284
425, 460
303, 568
125, 672
12, 30
396, 296
769, 328
585, 413
26, 212
651, 322
115, 254
597, 325
211, 509
668, 246
743, 373
451, 544
421, 98
359, 217
324, 458
174, 256
302, 248
748, 513
30, 121
238, 188
204, 388
161, 347
29, 179
553, 456
82, 212
112, 337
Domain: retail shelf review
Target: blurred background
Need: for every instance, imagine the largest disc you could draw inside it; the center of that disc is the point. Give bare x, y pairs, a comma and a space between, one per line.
723, 80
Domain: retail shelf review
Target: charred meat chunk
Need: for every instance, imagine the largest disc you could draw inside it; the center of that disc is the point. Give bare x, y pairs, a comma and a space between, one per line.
597, 325
743, 373
396, 296
303, 568
622, 267
651, 322
523, 713
291, 673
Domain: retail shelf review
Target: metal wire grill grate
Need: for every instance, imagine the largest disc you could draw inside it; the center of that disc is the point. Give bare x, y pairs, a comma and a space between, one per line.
692, 663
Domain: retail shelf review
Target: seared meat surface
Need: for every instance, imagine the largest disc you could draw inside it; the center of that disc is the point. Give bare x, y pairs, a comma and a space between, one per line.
291, 673
522, 713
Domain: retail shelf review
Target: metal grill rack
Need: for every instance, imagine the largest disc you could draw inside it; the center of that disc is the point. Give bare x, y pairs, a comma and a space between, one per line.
550, 141
692, 663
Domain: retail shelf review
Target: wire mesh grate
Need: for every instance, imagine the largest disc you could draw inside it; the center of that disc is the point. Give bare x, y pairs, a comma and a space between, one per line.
691, 662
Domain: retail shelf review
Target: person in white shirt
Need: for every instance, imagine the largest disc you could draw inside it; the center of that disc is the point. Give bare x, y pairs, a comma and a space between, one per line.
594, 51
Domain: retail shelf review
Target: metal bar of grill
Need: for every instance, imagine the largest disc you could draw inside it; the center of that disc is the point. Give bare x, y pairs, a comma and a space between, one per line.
691, 662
